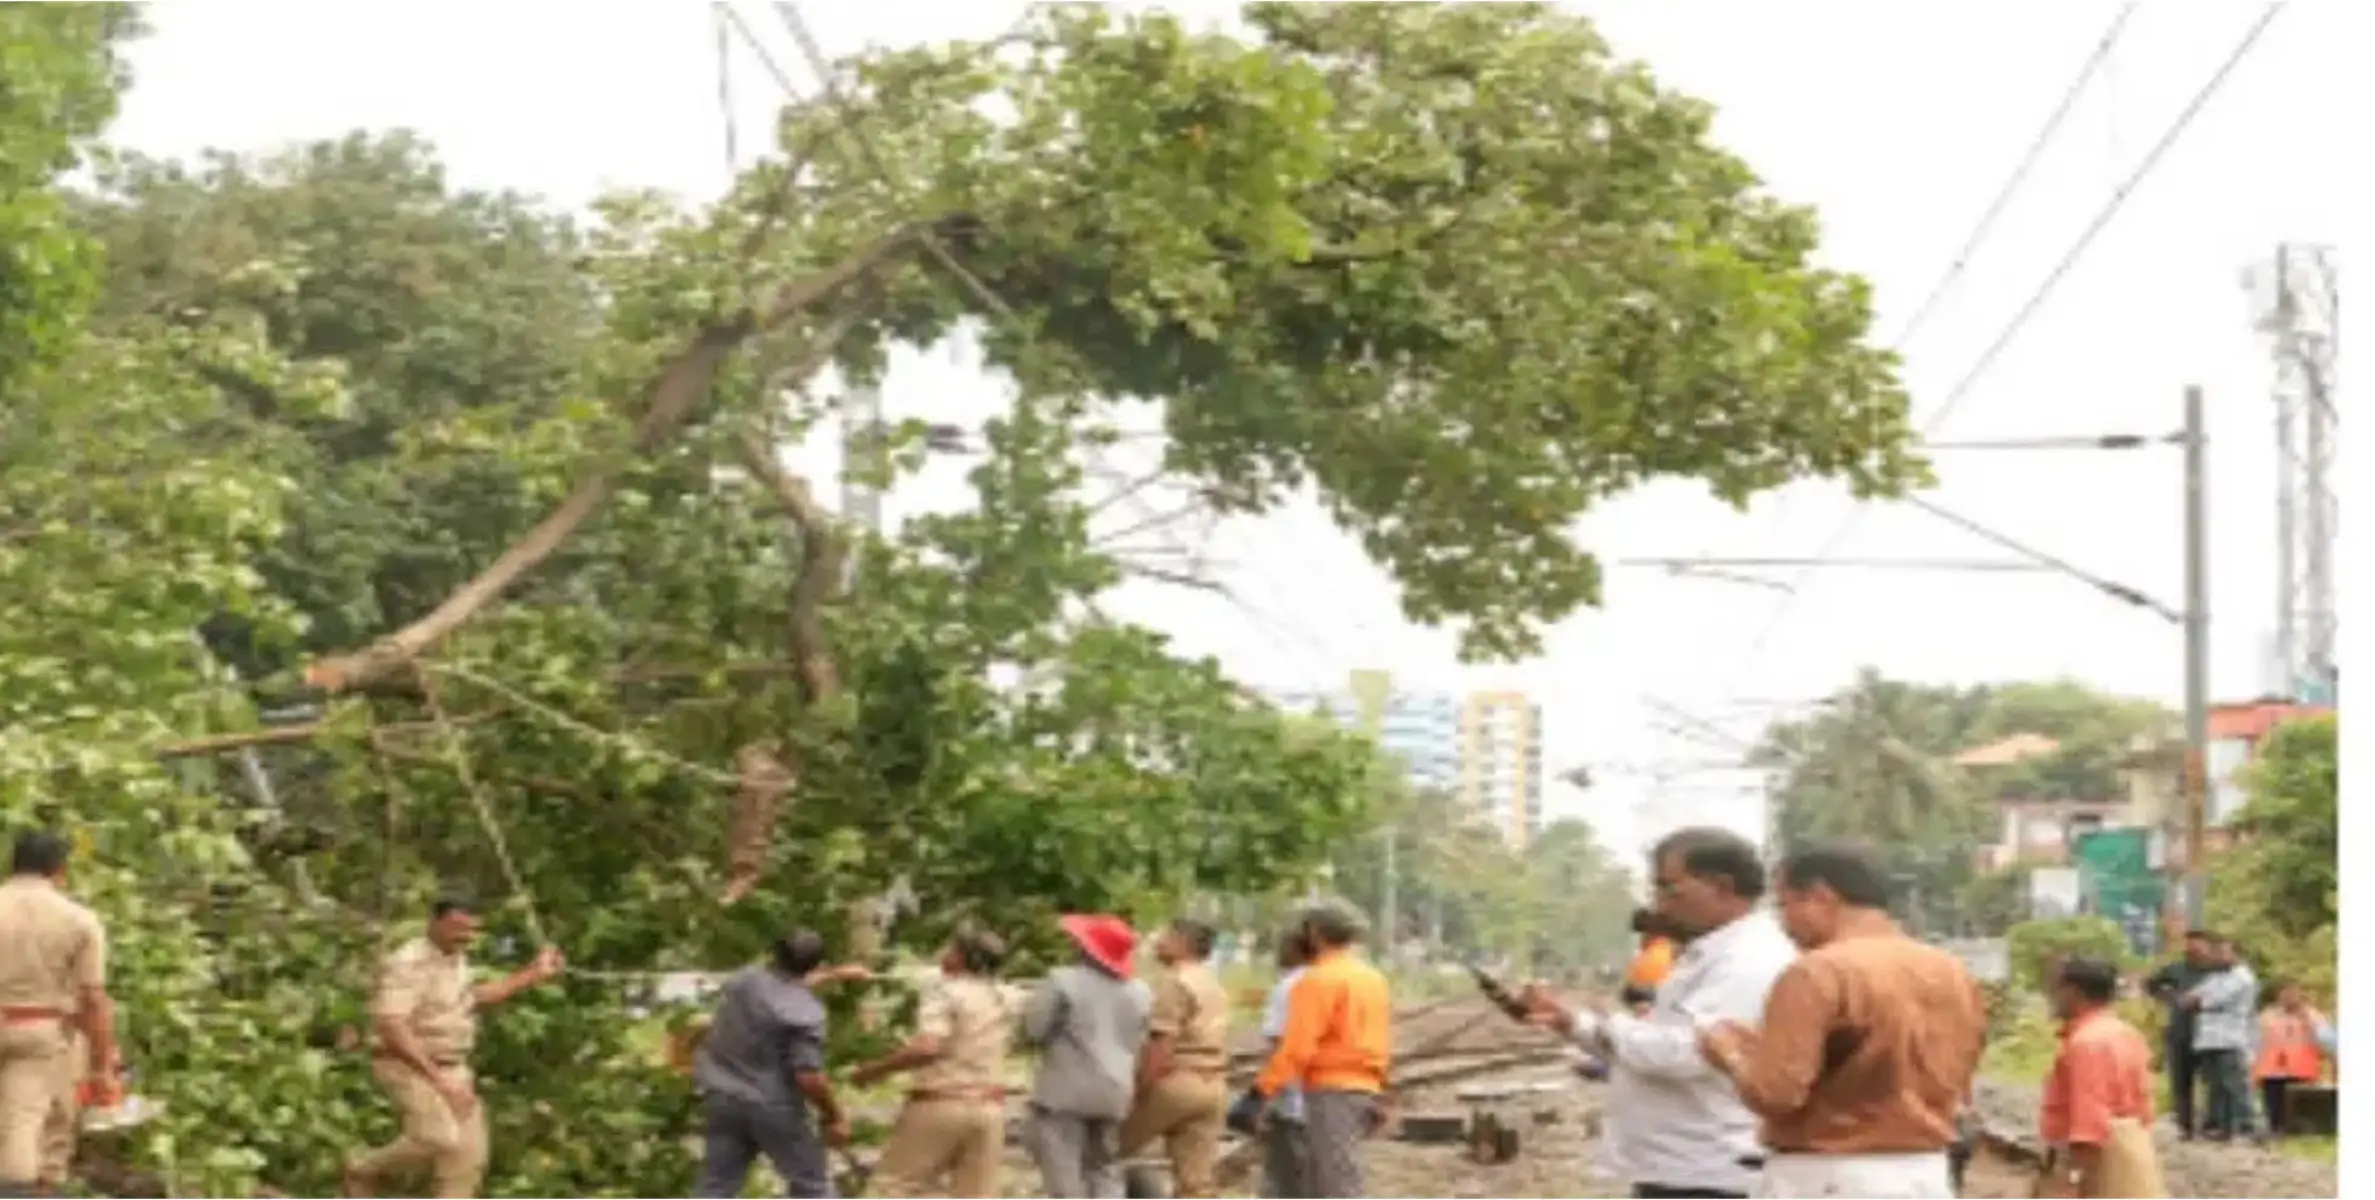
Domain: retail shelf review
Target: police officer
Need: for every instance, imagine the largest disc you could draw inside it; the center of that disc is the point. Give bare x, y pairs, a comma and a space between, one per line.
424, 1018
1183, 1087
954, 1121
53, 973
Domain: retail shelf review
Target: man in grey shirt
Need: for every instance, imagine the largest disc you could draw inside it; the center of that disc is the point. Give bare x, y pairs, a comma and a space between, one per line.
1088, 1022
761, 1069
2225, 1005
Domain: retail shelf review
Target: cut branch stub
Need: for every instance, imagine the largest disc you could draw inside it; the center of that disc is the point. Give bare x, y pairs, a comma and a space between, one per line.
671, 399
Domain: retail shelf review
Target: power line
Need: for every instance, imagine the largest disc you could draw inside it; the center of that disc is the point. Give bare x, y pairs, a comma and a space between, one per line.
2019, 176
1968, 565
2037, 298
1955, 269
2101, 441
2117, 591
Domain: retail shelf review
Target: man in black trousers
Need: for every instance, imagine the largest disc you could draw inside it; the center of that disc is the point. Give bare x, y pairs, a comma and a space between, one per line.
2169, 985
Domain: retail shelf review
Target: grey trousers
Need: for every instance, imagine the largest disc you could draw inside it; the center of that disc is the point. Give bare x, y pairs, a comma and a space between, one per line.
735, 1132
1286, 1161
1079, 1157
1335, 1124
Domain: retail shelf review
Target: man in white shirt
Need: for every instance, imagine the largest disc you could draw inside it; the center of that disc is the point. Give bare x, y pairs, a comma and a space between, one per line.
1286, 1153
1675, 1127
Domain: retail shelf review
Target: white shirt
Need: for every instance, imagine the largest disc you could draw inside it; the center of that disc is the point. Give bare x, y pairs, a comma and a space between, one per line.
1287, 1105
1672, 1120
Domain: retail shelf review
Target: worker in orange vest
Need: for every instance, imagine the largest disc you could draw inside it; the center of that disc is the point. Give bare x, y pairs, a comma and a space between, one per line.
1651, 964
2292, 1039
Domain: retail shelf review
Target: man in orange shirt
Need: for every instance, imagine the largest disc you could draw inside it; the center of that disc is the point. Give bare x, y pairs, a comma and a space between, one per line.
2101, 1081
1336, 1045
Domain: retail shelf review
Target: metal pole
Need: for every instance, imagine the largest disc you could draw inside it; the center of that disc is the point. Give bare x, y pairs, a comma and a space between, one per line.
1389, 927
2197, 660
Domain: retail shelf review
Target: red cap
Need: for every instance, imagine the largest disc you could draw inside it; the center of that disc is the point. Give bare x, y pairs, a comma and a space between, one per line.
1107, 939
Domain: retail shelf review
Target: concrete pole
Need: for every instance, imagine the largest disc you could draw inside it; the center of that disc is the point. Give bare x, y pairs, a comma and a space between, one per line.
2197, 662
1389, 908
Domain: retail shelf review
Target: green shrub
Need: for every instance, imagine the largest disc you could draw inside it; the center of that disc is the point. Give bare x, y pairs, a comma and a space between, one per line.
2031, 943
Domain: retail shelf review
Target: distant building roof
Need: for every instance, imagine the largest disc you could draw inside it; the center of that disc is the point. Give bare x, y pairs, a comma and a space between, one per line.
2251, 720
2020, 747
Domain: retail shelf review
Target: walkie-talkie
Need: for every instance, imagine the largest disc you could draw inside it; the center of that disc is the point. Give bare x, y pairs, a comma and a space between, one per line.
1501, 996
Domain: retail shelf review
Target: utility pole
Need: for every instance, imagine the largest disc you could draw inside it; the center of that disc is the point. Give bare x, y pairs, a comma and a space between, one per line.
1389, 924
2197, 660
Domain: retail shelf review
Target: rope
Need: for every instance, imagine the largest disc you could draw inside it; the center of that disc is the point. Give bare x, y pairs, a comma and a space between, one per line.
623, 743
460, 760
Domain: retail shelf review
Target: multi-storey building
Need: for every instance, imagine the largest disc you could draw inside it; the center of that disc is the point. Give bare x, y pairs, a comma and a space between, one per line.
1485, 749
1501, 763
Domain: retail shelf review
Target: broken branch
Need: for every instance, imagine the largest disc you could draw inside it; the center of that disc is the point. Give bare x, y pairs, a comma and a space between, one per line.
674, 394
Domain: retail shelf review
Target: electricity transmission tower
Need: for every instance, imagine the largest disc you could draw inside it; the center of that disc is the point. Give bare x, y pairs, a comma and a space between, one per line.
2297, 296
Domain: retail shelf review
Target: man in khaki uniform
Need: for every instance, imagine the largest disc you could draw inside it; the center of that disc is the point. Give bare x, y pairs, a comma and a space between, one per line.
425, 1018
1183, 1087
954, 1121
53, 972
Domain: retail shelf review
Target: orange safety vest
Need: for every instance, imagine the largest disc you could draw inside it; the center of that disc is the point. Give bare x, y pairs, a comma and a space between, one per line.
1651, 966
2288, 1047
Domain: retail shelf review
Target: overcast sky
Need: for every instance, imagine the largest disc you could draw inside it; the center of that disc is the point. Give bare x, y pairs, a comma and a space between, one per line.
1898, 121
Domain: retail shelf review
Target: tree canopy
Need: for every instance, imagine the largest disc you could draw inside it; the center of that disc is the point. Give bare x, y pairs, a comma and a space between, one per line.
1874, 763
2278, 891
365, 534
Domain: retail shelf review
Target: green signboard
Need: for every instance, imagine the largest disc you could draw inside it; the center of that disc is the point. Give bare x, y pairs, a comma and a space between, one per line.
2116, 880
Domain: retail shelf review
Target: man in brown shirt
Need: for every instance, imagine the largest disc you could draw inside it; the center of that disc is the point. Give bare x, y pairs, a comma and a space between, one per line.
424, 1016
53, 970
1183, 1086
1867, 1047
954, 1121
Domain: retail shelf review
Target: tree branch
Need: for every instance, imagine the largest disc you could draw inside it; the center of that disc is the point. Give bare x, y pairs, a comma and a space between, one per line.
766, 776
672, 397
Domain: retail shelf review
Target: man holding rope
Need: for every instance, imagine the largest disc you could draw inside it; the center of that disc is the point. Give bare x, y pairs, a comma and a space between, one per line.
424, 1018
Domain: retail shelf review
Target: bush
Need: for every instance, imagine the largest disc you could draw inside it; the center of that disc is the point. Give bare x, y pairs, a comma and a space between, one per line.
2031, 943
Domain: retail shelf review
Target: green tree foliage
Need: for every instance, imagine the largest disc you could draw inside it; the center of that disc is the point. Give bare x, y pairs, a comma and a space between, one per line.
2033, 945
1873, 763
2277, 892
1560, 906
1457, 266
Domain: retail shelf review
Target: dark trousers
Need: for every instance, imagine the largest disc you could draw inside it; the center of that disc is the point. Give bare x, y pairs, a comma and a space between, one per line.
1652, 1191
2272, 1094
2229, 1109
2185, 1074
1286, 1161
735, 1132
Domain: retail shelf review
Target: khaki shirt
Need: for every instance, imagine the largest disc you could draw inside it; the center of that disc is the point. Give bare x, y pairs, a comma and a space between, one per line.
1192, 1009
429, 990
975, 1025
51, 948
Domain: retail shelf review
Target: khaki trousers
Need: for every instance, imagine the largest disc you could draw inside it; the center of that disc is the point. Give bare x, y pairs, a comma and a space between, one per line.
33, 1065
63, 1129
453, 1149
1188, 1110
965, 1140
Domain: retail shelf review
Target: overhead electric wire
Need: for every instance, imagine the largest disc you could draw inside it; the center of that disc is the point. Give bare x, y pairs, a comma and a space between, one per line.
2020, 175
813, 51
2037, 298
2117, 591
